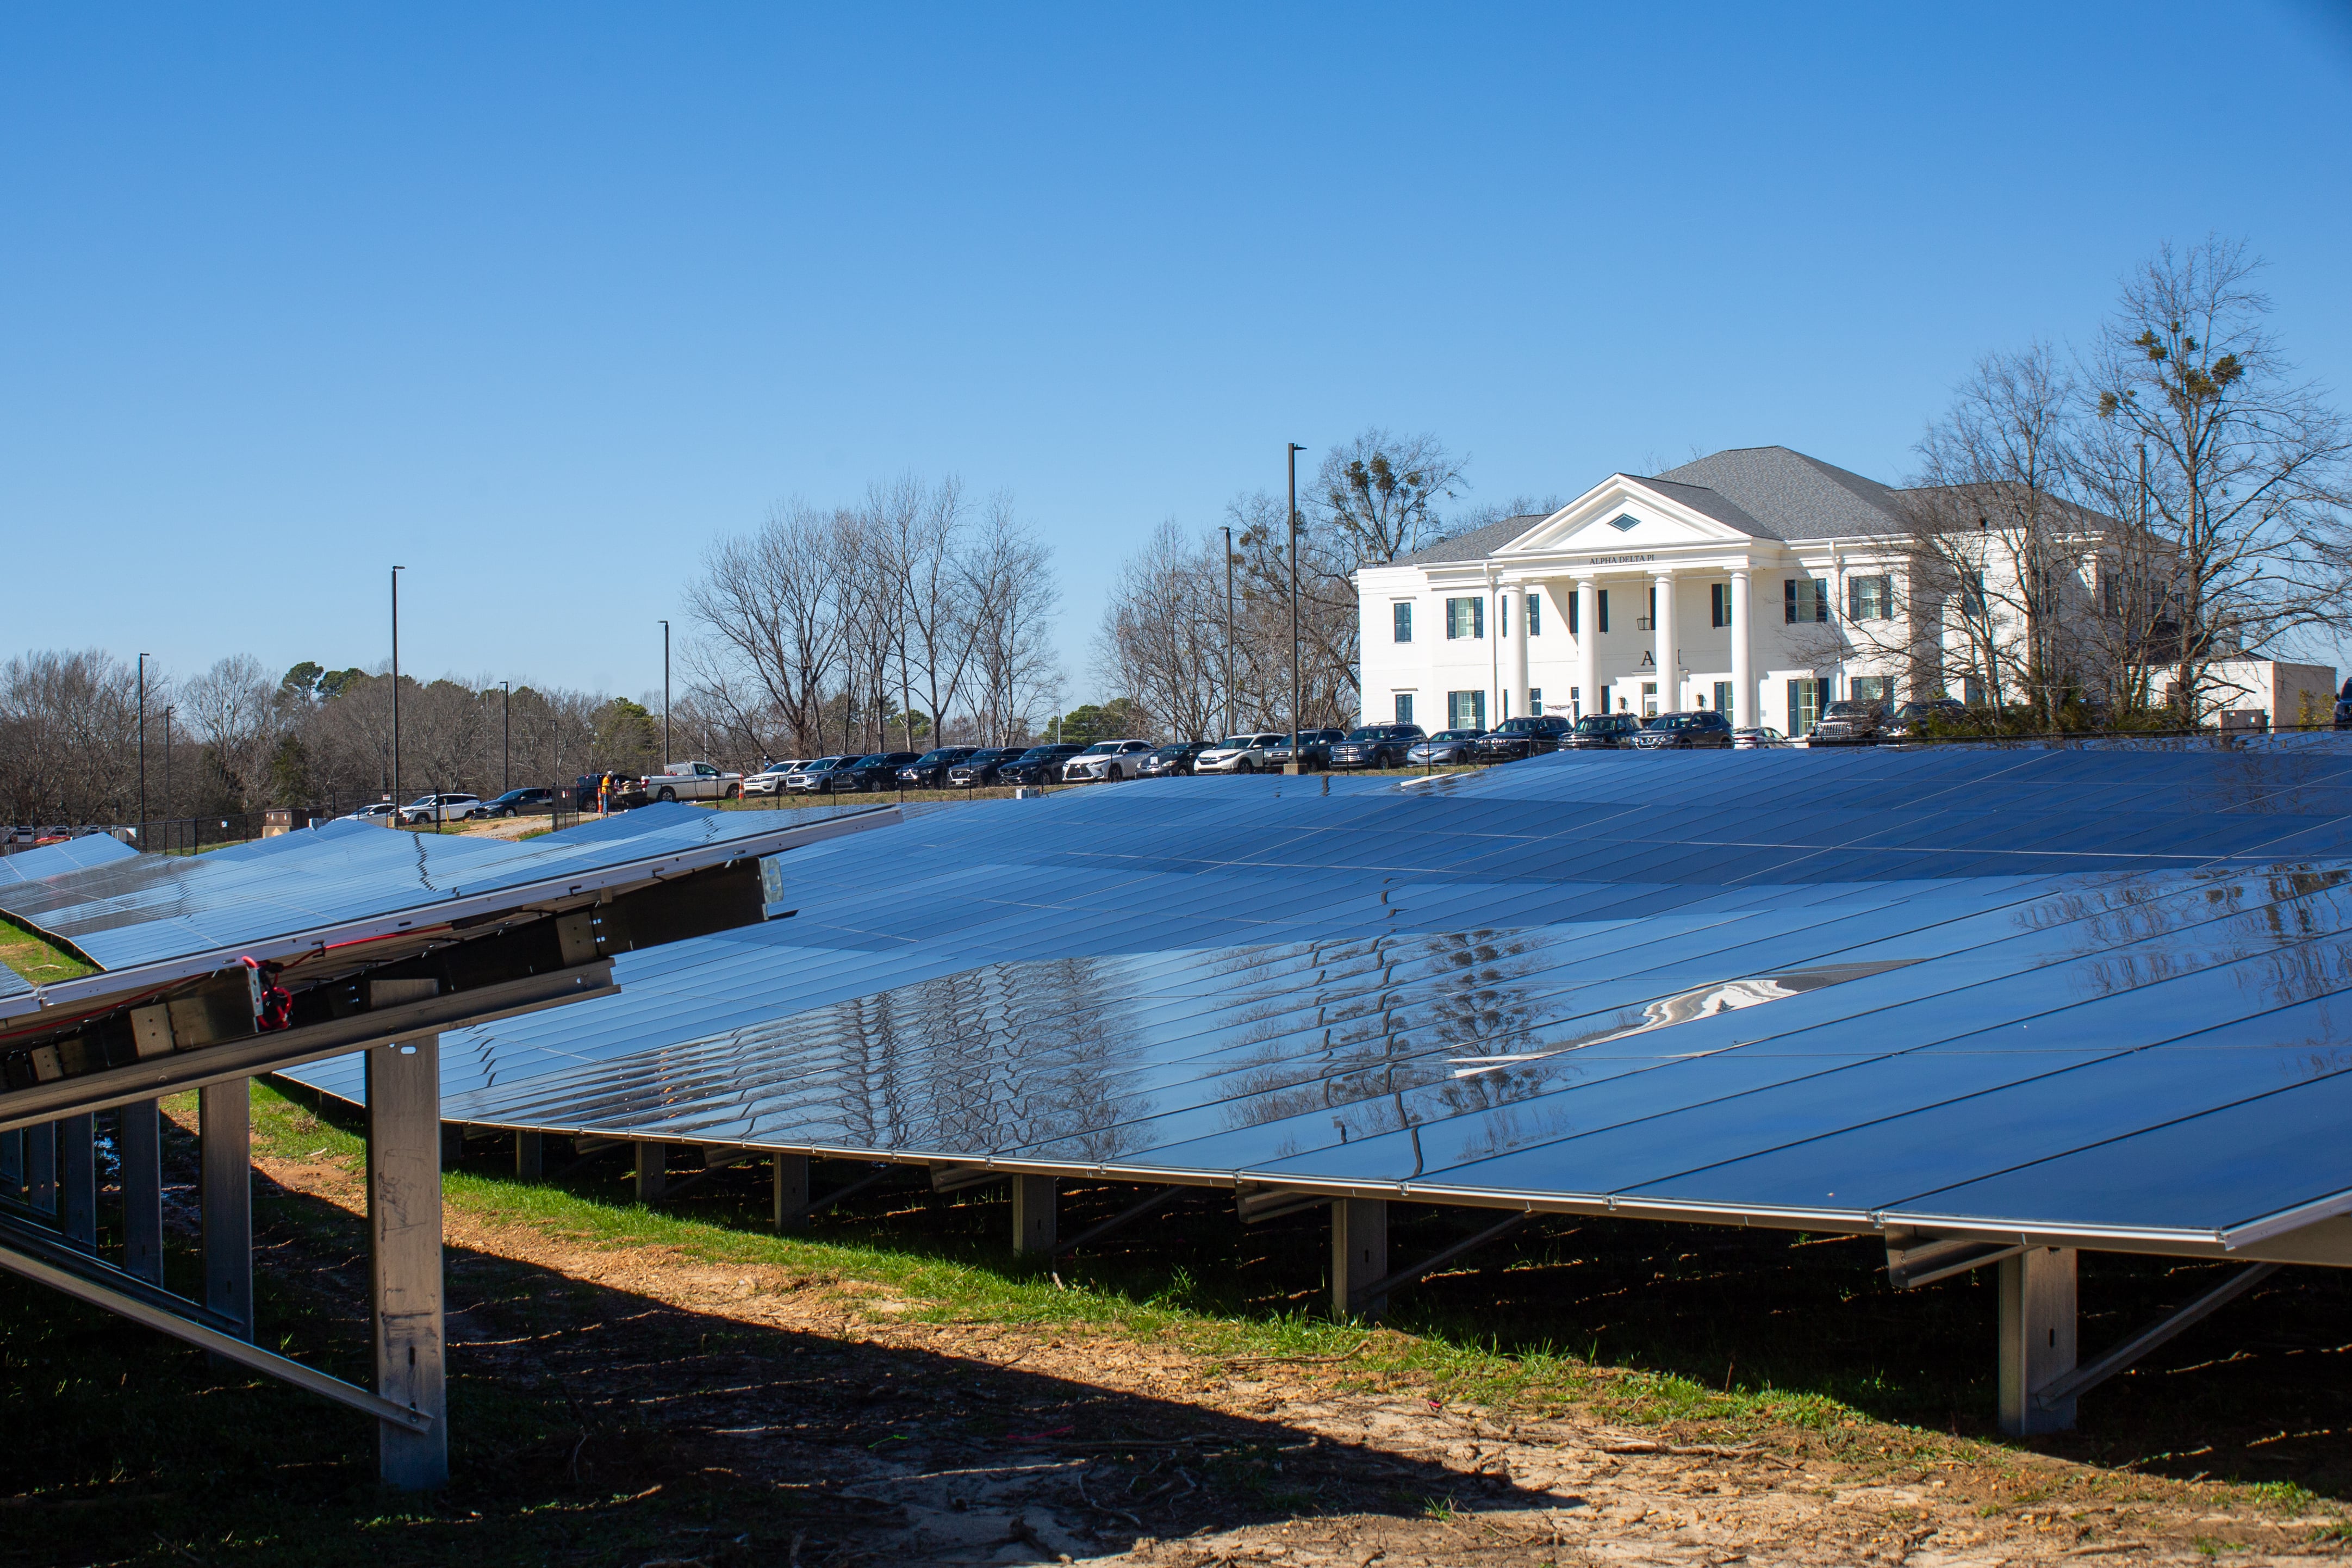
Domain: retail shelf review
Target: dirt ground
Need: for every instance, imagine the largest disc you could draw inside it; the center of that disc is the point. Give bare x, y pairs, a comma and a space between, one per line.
915, 1442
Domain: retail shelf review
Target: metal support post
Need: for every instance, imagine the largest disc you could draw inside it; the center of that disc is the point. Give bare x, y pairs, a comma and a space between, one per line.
12, 1162
224, 1193
78, 1194
403, 1110
653, 1171
531, 1156
40, 1180
791, 1190
1033, 1214
139, 1145
2037, 1339
1360, 1256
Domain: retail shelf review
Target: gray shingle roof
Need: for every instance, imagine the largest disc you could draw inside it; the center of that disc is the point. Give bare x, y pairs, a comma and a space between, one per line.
1475, 546
1791, 495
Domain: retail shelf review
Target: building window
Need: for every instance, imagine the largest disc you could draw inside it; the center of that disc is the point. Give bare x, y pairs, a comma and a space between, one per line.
1723, 697
1720, 602
1503, 614
1972, 691
1602, 606
1650, 621
1535, 701
1649, 699
1535, 615
1576, 702
1575, 614
1404, 707
1806, 701
1972, 596
1878, 689
1465, 618
1466, 710
1805, 599
1404, 612
1870, 598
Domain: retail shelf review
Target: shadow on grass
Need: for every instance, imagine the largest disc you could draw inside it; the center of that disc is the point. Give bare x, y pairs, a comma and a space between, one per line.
594, 1425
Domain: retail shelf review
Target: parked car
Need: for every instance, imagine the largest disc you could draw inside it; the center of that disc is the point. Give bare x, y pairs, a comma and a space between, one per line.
1848, 724
1914, 718
1314, 750
1604, 732
448, 807
1446, 749
1761, 738
1169, 762
1702, 730
979, 769
1376, 746
770, 779
817, 777
523, 802
876, 769
1106, 762
929, 771
691, 781
374, 810
1238, 754
1038, 764
1515, 738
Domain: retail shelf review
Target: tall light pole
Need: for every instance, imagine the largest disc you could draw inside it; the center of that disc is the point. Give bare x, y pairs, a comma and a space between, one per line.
1297, 742
665, 697
167, 773
143, 751
1229, 629
395, 819
506, 738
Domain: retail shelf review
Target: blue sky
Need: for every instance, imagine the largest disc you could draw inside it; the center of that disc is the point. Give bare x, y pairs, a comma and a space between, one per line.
538, 301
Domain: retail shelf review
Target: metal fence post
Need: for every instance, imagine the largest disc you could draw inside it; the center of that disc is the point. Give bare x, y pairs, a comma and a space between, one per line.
403, 1110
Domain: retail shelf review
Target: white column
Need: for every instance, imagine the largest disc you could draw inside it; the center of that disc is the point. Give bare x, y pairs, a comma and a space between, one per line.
1743, 663
1669, 686
1514, 595
1588, 645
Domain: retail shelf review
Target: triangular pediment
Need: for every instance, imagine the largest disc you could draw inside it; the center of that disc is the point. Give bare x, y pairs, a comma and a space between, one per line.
1620, 515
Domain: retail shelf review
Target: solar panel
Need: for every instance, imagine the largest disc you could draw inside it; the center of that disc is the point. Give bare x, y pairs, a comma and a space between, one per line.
73, 855
2060, 990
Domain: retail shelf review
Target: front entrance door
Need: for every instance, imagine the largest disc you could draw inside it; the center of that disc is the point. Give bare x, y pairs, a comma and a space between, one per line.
1649, 699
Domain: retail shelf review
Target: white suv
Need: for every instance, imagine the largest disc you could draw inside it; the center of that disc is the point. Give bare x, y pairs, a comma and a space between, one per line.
1241, 754
1106, 760
450, 807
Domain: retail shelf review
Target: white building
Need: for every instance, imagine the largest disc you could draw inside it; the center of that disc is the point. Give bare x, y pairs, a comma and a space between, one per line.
1757, 580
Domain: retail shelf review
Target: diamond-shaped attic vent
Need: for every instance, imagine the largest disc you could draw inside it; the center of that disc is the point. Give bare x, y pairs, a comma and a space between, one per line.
1623, 522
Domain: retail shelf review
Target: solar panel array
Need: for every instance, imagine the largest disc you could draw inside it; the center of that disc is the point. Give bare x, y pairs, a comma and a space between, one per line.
2097, 990
148, 907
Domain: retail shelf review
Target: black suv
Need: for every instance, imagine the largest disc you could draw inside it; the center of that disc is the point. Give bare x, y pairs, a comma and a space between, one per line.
526, 801
1848, 724
1912, 718
979, 769
1168, 762
879, 769
1314, 750
1038, 764
1518, 738
929, 771
1602, 731
1376, 746
1682, 732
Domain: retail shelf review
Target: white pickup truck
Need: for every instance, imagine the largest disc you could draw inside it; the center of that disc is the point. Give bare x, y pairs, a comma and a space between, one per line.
691, 781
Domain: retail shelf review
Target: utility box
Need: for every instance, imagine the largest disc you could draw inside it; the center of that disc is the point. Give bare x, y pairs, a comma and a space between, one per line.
280, 819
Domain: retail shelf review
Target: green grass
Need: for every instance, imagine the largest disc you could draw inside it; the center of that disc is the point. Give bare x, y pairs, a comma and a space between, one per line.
37, 958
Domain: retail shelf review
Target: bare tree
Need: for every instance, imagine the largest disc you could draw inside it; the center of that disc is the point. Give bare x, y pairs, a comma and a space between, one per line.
232, 709
1009, 576
1162, 637
2245, 493
1994, 540
1379, 493
772, 606
69, 737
